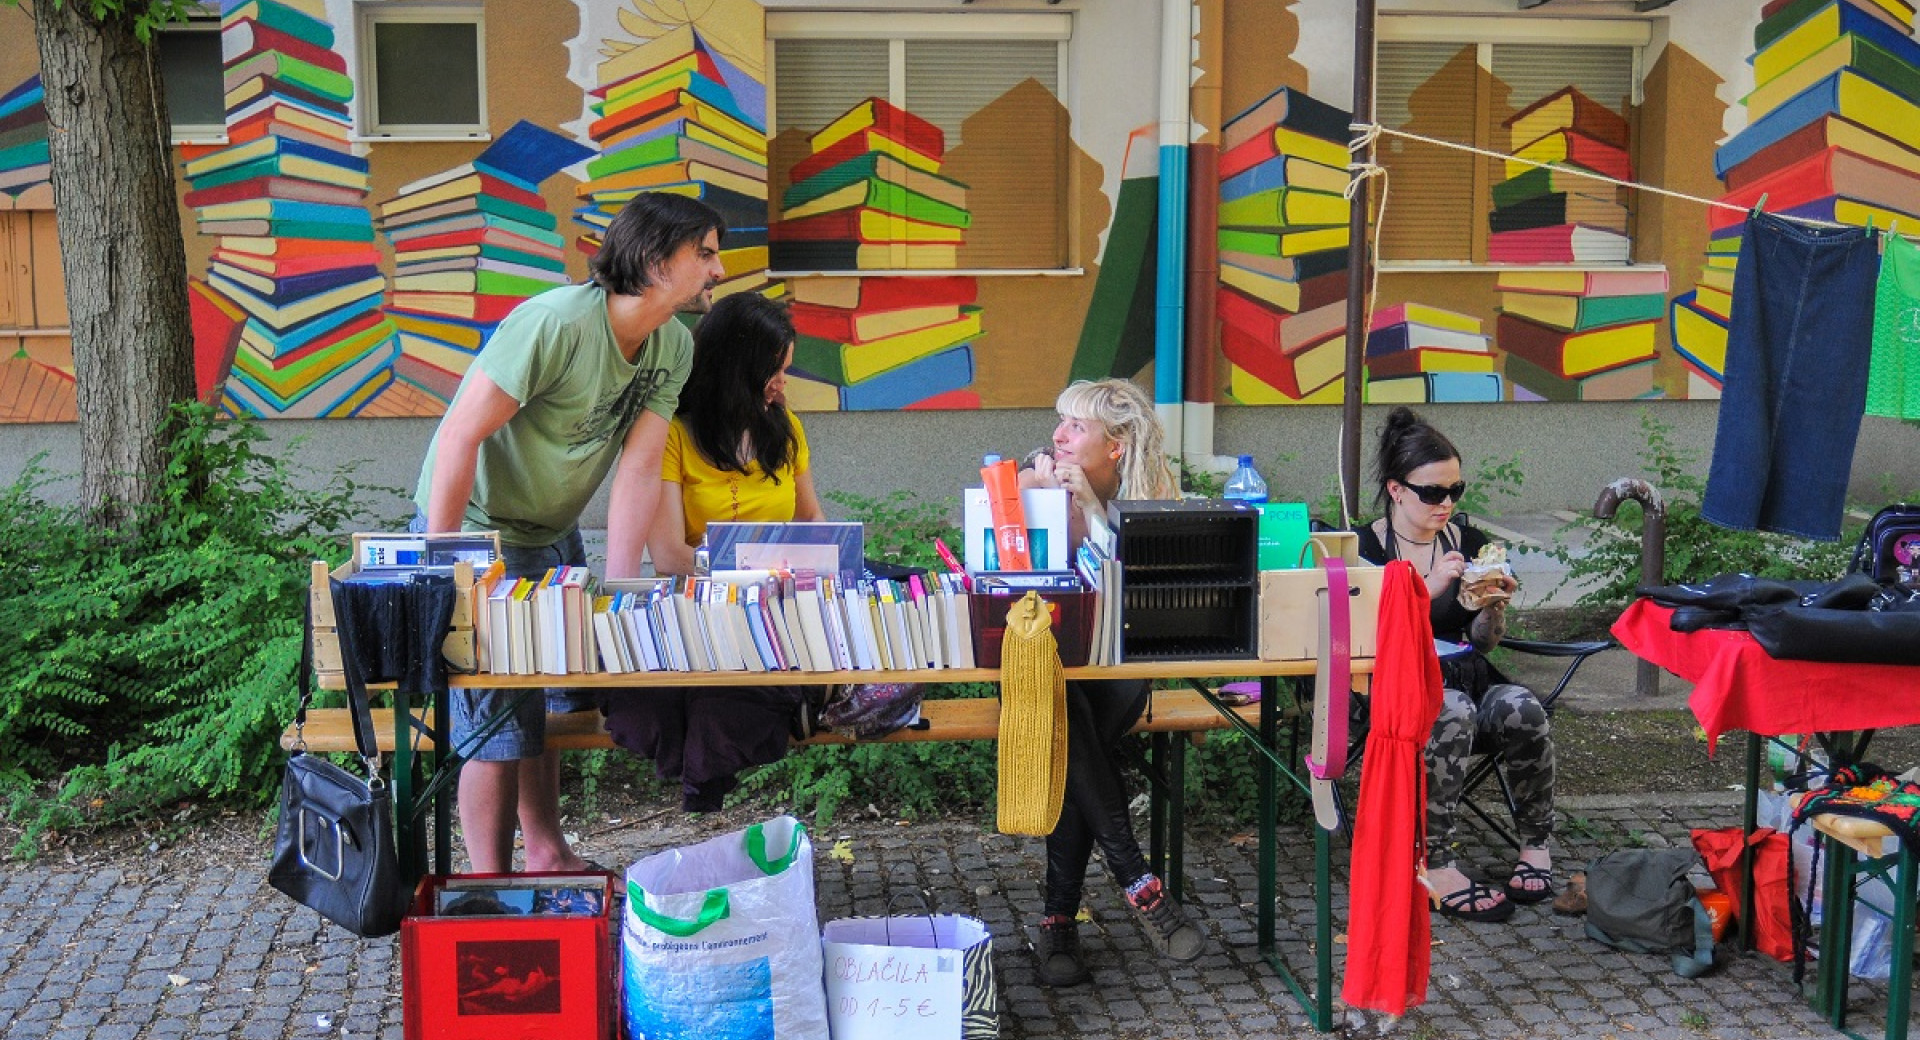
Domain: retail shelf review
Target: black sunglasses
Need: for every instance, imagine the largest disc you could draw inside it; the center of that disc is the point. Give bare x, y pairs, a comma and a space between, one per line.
1434, 494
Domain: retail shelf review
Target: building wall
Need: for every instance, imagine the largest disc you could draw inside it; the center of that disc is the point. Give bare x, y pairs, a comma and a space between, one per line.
379, 382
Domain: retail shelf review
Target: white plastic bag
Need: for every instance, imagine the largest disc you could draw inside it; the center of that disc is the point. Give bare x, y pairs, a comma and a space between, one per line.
722, 942
1872, 946
925, 976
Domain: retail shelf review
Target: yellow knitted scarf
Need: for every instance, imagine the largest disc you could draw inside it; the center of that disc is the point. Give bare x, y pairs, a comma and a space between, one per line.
1033, 721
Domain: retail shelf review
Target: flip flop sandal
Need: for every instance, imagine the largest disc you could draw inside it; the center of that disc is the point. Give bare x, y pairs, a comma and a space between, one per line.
1523, 872
1460, 904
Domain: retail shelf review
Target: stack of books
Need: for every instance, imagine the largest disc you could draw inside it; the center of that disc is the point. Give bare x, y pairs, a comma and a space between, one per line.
870, 196
1581, 335
1542, 215
286, 196
25, 172
1832, 126
1418, 354
742, 621
674, 114
1283, 250
469, 244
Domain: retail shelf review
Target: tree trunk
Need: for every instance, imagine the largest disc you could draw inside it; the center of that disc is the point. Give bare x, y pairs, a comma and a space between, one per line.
126, 266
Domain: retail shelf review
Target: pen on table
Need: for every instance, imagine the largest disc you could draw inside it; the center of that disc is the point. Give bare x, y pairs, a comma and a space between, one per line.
946, 556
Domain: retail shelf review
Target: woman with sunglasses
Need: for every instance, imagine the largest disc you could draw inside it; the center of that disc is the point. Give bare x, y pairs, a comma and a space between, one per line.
1420, 487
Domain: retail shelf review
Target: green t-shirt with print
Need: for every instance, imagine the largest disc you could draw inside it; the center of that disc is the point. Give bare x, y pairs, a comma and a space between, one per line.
557, 356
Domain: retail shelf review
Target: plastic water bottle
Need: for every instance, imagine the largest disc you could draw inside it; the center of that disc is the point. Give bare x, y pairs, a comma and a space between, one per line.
1245, 485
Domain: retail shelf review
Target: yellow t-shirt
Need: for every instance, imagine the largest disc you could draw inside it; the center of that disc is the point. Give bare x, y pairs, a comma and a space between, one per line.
708, 493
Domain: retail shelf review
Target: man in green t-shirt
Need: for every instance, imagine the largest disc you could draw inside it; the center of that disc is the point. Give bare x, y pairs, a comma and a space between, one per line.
576, 382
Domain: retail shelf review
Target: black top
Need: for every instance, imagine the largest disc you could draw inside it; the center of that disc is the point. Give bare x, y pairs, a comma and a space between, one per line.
1472, 673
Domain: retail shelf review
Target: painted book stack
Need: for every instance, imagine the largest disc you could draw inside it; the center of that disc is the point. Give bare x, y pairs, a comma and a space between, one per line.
1418, 354
1833, 134
25, 173
286, 196
869, 197
1542, 215
469, 244
1283, 250
674, 114
1581, 335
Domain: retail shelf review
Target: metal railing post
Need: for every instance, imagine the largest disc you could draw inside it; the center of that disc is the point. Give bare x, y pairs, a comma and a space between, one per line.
1653, 552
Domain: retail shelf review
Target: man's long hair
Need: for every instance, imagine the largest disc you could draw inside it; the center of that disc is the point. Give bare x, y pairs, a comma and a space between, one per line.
645, 234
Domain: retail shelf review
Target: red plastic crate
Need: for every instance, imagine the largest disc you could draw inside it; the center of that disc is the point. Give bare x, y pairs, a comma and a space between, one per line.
508, 977
1068, 601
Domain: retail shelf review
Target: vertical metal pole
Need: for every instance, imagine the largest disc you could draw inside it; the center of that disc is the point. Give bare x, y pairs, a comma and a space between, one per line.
443, 796
1157, 806
1749, 819
1900, 982
1836, 932
1177, 815
1357, 261
413, 855
1269, 811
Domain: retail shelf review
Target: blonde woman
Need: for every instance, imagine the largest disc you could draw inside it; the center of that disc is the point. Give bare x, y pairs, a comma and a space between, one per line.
1106, 446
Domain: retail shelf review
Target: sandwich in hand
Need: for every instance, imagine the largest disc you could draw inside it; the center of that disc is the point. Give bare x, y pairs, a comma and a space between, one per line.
1484, 582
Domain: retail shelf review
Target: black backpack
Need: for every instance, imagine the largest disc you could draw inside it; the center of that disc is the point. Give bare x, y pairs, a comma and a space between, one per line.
1889, 549
1642, 900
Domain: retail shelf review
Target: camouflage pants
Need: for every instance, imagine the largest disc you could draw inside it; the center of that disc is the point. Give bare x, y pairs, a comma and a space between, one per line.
1509, 722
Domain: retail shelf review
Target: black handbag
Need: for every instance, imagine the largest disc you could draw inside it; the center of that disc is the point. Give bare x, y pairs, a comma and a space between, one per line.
333, 850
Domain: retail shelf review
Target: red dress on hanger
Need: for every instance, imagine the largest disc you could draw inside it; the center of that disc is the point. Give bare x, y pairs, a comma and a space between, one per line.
1388, 936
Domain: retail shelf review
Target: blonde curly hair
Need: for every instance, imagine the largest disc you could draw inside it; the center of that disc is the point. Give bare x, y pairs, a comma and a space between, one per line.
1125, 412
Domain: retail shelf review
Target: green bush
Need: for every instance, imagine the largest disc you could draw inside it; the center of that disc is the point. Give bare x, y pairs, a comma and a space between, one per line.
156, 663
1695, 549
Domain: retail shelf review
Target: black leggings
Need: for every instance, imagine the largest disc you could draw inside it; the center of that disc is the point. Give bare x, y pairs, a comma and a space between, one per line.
1099, 714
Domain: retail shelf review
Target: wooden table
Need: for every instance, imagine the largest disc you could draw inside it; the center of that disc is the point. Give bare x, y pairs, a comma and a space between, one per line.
1272, 764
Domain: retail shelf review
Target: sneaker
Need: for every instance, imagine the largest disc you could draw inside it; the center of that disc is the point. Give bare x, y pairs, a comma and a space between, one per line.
1058, 952
1168, 927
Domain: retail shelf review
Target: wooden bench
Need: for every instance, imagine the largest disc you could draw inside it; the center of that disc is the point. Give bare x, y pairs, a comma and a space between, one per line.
1170, 711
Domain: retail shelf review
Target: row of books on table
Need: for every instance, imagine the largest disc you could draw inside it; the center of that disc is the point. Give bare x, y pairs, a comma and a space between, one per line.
568, 621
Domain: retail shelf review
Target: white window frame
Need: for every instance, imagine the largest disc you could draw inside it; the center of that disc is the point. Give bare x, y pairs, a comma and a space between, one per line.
199, 20
366, 109
898, 27
1487, 30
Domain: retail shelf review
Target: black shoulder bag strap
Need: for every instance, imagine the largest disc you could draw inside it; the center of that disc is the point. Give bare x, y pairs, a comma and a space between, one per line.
353, 669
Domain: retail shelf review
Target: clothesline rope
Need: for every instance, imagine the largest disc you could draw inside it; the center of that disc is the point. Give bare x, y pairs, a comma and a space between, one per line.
1371, 131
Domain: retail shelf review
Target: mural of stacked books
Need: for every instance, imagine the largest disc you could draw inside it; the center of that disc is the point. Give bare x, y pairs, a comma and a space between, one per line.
674, 114
1830, 135
25, 175
1283, 250
869, 196
1581, 335
1418, 354
1545, 216
469, 244
286, 196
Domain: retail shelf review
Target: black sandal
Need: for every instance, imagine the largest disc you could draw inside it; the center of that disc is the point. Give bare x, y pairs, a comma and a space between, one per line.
1524, 872
1460, 904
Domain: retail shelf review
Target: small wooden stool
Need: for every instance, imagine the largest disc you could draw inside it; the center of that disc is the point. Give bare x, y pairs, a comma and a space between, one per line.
1856, 850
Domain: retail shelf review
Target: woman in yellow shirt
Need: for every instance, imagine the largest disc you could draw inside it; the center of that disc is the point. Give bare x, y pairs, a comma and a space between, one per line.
734, 452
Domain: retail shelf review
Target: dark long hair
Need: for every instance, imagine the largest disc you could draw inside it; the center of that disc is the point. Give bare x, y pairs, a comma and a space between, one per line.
645, 234
737, 348
1407, 442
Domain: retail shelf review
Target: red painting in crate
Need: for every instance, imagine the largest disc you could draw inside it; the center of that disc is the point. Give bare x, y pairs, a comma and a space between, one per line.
485, 956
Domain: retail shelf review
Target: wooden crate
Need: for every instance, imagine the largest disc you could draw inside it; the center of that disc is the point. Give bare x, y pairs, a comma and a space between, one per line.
459, 646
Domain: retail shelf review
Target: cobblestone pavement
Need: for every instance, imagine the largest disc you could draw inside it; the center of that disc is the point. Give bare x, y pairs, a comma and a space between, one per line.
195, 945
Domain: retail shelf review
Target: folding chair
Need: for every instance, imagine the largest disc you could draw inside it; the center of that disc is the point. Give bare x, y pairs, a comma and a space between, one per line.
1485, 765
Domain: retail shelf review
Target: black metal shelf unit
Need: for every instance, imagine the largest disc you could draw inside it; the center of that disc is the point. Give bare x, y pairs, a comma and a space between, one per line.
1189, 579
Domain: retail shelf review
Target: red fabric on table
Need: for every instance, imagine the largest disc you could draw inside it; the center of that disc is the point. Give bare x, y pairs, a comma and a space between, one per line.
1389, 938
1738, 685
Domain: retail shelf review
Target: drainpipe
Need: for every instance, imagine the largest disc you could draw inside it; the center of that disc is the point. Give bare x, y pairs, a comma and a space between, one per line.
1203, 238
1176, 63
1653, 551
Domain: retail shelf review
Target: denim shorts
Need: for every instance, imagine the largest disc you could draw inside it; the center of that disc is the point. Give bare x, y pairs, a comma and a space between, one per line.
524, 733
1797, 356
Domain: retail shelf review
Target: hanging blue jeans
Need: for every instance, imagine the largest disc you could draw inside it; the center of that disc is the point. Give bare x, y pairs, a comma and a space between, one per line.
1796, 381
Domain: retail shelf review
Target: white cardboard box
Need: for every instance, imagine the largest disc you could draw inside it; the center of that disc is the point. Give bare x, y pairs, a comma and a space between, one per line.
1046, 510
